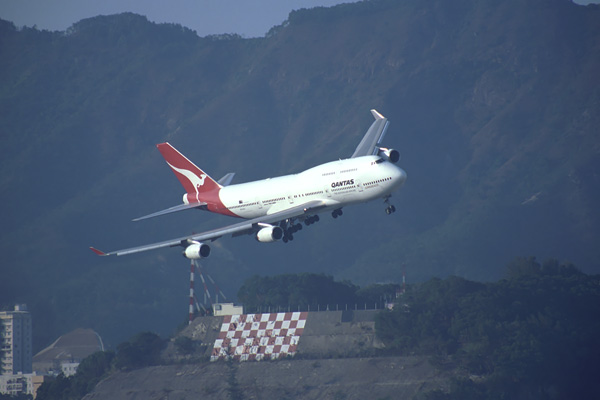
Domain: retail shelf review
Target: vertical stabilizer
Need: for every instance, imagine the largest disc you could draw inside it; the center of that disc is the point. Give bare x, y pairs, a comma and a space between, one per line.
193, 179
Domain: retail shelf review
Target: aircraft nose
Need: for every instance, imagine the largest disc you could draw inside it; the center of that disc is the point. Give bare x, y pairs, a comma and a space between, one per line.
401, 176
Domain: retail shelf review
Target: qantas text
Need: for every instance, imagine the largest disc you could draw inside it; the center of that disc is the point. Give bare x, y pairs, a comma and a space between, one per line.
342, 183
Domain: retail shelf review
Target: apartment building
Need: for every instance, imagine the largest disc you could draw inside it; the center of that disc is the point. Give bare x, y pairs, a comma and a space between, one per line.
15, 341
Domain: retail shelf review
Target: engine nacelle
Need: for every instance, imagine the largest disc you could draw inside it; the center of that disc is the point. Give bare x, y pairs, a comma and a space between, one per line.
196, 251
392, 155
269, 234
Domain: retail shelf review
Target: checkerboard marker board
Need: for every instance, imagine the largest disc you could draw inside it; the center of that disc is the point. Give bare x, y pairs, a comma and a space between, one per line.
258, 337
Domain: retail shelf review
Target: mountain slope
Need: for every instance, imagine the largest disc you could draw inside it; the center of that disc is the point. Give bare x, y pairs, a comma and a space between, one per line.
493, 107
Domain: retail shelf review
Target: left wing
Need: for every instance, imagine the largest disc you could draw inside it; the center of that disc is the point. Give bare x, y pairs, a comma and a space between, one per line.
235, 229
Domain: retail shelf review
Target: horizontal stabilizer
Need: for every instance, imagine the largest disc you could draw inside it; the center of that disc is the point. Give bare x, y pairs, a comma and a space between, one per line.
180, 207
226, 180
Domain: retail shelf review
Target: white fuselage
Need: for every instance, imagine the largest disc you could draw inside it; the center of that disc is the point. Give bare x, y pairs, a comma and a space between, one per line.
337, 184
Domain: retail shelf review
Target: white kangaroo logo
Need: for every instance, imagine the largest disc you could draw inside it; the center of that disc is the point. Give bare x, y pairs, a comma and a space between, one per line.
201, 182
195, 180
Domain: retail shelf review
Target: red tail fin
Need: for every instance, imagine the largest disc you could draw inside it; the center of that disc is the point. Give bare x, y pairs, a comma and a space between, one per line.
194, 180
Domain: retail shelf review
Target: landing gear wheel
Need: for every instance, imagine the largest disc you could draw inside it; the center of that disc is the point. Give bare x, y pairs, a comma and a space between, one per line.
311, 220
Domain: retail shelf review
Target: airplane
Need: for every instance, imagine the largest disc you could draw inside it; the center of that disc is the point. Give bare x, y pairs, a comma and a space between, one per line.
274, 209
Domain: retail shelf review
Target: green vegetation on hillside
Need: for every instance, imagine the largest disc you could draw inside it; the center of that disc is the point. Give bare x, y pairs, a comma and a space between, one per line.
533, 335
308, 292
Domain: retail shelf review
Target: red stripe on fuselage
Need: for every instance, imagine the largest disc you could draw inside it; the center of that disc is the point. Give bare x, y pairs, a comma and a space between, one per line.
214, 203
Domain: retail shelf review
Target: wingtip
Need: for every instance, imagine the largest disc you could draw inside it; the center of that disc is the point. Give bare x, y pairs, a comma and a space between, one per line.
376, 114
162, 145
98, 252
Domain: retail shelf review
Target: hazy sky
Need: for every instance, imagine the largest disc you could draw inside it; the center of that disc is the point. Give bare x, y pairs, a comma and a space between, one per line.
249, 18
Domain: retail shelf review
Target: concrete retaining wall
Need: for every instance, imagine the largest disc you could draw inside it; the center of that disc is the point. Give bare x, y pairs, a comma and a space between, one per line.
327, 334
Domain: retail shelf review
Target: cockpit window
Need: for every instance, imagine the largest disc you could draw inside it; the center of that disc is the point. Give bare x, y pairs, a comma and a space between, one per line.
379, 160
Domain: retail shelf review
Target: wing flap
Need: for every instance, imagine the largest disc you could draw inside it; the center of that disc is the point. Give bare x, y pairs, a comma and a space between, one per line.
213, 234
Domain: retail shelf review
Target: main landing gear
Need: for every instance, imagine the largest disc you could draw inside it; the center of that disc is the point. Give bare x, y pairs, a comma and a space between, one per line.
311, 220
390, 207
337, 213
290, 227
288, 231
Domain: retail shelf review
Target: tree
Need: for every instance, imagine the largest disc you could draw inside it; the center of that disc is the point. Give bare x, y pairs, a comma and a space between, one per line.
141, 351
533, 334
91, 370
304, 290
184, 345
58, 388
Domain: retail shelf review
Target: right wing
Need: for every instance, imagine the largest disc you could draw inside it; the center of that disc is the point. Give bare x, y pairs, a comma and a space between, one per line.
240, 228
373, 137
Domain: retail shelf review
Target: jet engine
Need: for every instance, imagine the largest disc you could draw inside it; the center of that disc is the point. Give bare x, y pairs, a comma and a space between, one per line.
196, 250
269, 234
391, 154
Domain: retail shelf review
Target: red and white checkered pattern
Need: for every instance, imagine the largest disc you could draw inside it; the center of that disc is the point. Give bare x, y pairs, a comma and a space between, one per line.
259, 336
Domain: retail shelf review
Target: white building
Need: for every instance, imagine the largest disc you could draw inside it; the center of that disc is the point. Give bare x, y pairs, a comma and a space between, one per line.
16, 384
15, 341
220, 309
69, 368
15, 352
